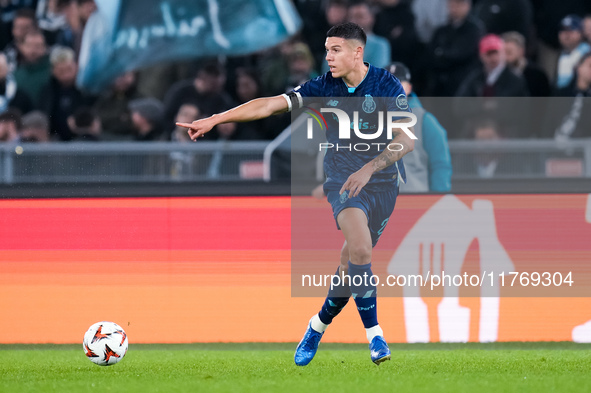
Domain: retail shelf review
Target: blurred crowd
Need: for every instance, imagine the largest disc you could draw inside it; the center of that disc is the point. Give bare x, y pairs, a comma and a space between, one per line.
453, 48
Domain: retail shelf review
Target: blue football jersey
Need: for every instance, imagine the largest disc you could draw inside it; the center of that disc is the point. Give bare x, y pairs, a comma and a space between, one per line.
379, 92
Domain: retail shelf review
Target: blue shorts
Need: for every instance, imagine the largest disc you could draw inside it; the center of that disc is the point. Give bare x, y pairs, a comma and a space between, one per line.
377, 206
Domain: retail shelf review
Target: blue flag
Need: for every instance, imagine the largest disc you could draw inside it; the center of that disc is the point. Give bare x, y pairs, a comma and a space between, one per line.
124, 35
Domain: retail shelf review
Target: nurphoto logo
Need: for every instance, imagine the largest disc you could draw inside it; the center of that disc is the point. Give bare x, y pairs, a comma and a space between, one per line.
393, 120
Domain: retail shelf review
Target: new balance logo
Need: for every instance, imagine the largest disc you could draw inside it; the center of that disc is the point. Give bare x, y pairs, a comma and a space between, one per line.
332, 103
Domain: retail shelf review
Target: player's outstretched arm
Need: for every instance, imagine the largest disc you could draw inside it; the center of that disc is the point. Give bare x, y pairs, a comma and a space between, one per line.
258, 108
400, 145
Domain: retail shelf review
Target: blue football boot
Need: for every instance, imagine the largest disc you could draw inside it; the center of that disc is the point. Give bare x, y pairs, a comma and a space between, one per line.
379, 350
307, 347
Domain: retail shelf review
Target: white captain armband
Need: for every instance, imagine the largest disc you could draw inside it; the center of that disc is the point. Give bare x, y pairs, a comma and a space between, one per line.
294, 100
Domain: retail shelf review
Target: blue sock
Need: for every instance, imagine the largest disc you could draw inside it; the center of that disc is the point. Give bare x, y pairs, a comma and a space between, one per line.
336, 300
364, 293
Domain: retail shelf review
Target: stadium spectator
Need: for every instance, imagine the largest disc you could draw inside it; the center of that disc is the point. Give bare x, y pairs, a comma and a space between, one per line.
573, 48
487, 165
494, 78
248, 87
300, 64
35, 127
10, 125
78, 14
24, 22
313, 17
535, 78
429, 16
183, 161
5, 36
112, 107
10, 94
35, 70
60, 97
377, 49
549, 13
335, 12
587, 28
156, 80
570, 117
396, 22
274, 66
52, 17
85, 125
501, 16
206, 91
428, 167
453, 51
147, 116
581, 83
9, 8
187, 113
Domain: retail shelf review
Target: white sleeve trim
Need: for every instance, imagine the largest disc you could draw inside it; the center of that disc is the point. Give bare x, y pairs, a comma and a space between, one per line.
288, 102
300, 99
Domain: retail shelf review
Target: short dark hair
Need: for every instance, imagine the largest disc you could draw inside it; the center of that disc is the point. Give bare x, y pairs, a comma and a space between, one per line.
26, 13
340, 3
348, 31
357, 3
249, 73
12, 115
84, 117
212, 69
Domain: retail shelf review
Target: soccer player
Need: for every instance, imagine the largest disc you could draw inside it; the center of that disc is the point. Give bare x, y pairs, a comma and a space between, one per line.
361, 186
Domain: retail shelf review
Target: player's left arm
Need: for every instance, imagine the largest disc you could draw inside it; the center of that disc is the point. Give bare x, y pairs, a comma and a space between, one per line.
400, 145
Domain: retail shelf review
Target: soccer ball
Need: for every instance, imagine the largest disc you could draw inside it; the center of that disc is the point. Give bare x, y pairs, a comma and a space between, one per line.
105, 343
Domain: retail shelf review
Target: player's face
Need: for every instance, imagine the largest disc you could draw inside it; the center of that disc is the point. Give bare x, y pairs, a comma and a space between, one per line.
342, 55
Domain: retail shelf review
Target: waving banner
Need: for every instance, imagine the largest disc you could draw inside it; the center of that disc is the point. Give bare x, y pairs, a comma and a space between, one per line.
131, 34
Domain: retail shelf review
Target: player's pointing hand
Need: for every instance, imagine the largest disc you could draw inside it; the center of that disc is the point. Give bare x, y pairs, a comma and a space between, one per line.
198, 128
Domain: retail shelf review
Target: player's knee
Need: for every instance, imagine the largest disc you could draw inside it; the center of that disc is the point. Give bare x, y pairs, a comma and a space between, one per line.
344, 256
360, 255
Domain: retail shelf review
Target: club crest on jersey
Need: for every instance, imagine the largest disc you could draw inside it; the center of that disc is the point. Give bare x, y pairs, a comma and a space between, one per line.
369, 105
344, 196
402, 101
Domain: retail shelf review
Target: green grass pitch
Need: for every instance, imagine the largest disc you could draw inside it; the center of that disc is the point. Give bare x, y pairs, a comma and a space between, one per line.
498, 367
